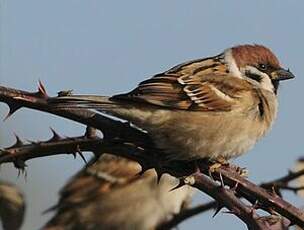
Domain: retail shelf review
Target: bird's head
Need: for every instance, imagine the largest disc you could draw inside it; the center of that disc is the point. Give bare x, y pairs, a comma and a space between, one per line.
257, 64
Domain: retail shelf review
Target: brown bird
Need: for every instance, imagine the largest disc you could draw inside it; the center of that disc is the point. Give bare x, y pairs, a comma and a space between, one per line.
111, 195
12, 206
215, 108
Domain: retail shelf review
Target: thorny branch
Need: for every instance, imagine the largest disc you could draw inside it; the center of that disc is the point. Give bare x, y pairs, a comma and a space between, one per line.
276, 186
283, 182
17, 99
88, 142
123, 140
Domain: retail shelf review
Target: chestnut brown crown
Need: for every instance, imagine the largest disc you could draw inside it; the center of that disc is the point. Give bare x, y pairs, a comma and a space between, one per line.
254, 55
263, 60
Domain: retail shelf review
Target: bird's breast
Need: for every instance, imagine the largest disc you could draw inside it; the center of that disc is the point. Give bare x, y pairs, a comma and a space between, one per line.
190, 135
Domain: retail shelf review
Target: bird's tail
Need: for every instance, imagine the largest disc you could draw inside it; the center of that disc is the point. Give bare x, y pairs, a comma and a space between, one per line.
103, 104
83, 101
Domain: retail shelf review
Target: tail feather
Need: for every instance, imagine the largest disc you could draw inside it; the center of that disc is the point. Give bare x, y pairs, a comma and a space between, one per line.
103, 104
80, 101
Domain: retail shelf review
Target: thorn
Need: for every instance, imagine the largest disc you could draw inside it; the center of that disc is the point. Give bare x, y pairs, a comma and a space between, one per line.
81, 155
181, 183
218, 209
233, 189
41, 89
20, 164
256, 205
55, 137
274, 191
18, 142
12, 109
221, 180
23, 172
74, 155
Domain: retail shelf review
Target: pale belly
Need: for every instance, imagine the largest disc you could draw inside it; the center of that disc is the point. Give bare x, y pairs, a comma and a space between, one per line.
198, 136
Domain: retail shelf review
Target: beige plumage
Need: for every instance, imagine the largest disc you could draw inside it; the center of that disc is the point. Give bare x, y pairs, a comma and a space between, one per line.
12, 206
110, 195
216, 107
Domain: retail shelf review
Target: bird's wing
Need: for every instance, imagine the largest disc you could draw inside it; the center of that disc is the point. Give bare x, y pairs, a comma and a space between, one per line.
199, 85
89, 189
110, 171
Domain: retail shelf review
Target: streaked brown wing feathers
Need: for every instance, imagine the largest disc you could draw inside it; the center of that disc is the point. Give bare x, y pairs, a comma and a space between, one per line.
193, 86
205, 97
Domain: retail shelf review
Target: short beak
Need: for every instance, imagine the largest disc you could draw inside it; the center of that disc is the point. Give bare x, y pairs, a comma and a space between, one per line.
282, 74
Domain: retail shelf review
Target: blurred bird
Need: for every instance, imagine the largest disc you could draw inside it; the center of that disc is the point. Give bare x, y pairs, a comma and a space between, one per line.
299, 166
110, 194
216, 107
12, 206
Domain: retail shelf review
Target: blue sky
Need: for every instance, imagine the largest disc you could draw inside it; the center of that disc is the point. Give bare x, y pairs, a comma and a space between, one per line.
107, 47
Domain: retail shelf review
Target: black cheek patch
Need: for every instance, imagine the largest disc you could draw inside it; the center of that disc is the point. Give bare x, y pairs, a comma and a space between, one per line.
261, 108
275, 85
253, 76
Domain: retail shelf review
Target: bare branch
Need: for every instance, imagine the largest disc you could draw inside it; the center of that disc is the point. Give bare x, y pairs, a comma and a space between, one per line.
243, 186
273, 185
124, 140
187, 213
282, 182
17, 99
22, 153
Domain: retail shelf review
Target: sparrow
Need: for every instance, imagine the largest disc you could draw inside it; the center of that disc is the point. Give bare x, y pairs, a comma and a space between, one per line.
110, 194
12, 206
216, 107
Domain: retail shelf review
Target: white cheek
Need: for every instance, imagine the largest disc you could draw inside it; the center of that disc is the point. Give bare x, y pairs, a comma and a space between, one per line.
229, 60
265, 82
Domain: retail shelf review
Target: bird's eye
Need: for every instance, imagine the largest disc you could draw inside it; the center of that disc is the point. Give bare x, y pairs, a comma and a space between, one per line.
262, 66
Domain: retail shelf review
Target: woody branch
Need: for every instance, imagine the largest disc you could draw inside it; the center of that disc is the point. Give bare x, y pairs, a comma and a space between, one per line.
124, 140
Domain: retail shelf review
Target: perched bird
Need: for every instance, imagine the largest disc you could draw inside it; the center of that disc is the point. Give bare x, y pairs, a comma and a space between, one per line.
215, 108
110, 194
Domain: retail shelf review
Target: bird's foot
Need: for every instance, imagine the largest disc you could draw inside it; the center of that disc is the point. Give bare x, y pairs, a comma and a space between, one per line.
216, 164
214, 167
